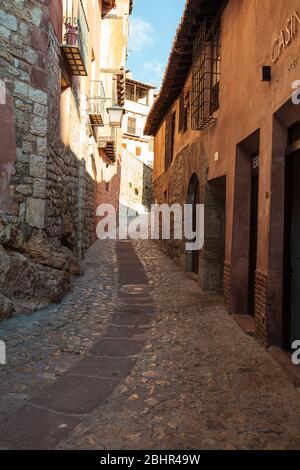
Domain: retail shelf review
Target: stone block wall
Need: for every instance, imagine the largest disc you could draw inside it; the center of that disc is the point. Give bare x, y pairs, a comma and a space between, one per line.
172, 188
136, 190
23, 69
48, 196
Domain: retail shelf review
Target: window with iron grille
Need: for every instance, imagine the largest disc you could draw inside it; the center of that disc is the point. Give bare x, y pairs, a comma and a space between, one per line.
169, 139
206, 74
131, 125
184, 111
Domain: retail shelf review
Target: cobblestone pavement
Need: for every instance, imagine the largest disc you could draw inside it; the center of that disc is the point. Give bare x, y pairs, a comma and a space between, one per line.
137, 357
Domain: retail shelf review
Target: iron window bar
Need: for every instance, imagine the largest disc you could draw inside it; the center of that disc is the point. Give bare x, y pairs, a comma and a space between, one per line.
205, 74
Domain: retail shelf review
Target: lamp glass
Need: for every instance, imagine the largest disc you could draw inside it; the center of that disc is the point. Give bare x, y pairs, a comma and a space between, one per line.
116, 114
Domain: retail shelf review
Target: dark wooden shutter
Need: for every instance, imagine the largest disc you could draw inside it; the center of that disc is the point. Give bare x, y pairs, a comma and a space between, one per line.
168, 143
169, 139
181, 126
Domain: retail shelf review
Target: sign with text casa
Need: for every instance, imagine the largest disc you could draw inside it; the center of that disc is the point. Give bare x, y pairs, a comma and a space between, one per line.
286, 36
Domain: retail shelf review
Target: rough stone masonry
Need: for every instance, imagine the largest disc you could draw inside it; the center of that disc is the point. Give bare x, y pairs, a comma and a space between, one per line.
45, 192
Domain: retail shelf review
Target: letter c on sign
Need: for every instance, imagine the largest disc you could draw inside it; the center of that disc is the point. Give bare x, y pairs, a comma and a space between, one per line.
275, 54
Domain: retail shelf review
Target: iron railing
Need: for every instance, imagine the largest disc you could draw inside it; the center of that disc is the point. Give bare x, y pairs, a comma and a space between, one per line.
97, 100
205, 74
75, 36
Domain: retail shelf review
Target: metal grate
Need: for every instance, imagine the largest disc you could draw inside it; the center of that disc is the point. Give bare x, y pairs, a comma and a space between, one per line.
205, 74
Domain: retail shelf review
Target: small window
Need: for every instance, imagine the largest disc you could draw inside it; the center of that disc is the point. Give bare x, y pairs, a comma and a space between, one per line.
169, 139
151, 145
138, 151
131, 126
124, 146
184, 112
137, 93
106, 187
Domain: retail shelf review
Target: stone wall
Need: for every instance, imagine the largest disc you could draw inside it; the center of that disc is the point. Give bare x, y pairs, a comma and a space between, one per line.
136, 190
23, 68
108, 184
70, 191
172, 188
47, 206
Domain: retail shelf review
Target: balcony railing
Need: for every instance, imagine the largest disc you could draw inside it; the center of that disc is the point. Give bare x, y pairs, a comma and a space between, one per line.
108, 143
75, 37
107, 136
97, 104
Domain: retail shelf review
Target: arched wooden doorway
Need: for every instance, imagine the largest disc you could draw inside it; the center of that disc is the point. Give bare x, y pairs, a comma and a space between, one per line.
193, 198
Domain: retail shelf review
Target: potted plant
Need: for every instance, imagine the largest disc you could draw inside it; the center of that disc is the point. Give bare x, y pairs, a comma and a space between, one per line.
71, 34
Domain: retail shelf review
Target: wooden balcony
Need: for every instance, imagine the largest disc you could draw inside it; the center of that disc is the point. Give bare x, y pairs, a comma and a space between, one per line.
108, 144
75, 40
97, 104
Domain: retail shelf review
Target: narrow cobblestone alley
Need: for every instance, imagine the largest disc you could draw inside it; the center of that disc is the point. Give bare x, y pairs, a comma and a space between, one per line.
137, 357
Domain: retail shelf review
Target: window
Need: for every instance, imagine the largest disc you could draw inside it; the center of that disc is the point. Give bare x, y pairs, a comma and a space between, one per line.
206, 74
184, 111
124, 146
169, 139
130, 92
131, 125
137, 93
138, 151
106, 187
151, 145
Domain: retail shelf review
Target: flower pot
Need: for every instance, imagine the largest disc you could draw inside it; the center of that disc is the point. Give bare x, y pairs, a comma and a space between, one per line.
71, 39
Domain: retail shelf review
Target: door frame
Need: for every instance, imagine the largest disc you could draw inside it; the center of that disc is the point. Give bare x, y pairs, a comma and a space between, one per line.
293, 152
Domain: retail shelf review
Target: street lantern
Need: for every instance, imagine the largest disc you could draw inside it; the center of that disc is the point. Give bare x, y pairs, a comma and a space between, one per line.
116, 114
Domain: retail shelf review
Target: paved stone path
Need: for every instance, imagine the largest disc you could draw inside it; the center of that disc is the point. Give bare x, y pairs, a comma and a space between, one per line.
136, 356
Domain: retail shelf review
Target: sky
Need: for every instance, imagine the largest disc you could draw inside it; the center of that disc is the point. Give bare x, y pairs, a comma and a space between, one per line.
152, 28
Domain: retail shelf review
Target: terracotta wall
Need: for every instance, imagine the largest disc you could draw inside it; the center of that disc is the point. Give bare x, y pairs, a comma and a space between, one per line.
249, 28
250, 33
